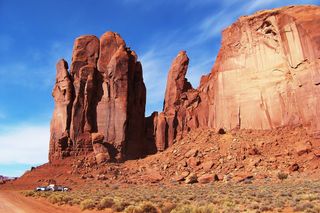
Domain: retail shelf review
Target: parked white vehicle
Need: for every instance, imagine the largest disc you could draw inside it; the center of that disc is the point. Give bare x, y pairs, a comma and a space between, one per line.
52, 187
41, 188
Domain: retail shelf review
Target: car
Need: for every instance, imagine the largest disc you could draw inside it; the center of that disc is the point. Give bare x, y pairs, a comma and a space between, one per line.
62, 188
41, 188
52, 187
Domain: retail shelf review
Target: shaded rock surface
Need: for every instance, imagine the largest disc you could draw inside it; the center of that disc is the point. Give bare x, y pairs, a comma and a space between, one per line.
100, 104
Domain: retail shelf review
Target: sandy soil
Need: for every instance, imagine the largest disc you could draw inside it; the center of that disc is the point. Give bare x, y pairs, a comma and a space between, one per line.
14, 202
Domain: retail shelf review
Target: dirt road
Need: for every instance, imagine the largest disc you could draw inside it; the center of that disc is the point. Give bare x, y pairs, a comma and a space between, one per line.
14, 202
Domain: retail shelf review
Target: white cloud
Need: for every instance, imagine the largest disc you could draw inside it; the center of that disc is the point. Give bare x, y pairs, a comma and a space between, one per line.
24, 144
214, 24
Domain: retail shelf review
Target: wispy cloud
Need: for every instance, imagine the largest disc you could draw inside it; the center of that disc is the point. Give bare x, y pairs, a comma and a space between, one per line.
157, 58
213, 25
155, 66
39, 71
257, 4
24, 144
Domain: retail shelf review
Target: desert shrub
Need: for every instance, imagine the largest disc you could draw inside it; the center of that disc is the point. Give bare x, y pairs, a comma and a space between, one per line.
167, 207
74, 201
209, 208
184, 209
131, 209
265, 208
59, 198
53, 198
44, 194
303, 207
119, 205
282, 176
144, 207
29, 193
310, 197
87, 204
148, 207
106, 202
194, 209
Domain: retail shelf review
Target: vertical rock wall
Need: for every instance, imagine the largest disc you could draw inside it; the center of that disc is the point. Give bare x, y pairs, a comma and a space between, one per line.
266, 75
99, 106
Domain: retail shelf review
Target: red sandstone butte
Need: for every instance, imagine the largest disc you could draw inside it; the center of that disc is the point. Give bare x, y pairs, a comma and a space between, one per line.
266, 75
99, 106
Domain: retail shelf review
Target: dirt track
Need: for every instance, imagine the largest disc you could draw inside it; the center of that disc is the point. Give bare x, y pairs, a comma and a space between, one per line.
13, 202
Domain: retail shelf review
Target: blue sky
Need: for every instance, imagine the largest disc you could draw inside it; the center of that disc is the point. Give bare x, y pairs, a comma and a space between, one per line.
34, 34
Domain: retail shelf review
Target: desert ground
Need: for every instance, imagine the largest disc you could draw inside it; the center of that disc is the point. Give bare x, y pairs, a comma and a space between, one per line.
15, 202
267, 196
260, 171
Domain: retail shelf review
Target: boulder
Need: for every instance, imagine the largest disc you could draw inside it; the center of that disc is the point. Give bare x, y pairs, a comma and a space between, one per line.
191, 153
207, 165
303, 148
193, 162
206, 178
153, 176
182, 176
102, 157
191, 178
294, 167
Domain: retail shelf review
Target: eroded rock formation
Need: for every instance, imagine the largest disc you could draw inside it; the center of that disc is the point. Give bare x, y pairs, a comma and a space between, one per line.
266, 75
99, 106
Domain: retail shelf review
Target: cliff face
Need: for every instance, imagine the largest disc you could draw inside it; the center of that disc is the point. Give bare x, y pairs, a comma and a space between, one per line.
99, 106
266, 75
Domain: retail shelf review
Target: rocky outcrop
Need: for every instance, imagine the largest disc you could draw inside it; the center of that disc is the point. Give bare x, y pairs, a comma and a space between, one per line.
60, 123
99, 106
165, 125
267, 72
266, 75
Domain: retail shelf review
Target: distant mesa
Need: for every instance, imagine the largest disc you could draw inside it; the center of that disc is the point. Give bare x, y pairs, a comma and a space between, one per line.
266, 75
4, 179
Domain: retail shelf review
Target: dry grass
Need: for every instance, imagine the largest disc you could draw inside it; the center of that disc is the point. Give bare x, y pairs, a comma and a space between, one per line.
217, 197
